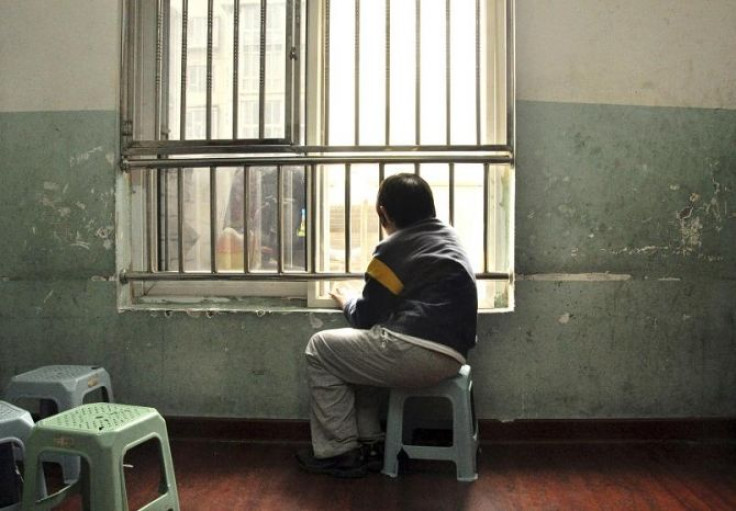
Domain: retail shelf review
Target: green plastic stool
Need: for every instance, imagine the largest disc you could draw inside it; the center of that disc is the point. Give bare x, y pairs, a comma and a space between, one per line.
101, 433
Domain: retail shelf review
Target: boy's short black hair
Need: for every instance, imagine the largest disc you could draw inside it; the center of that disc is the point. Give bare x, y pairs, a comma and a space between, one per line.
407, 198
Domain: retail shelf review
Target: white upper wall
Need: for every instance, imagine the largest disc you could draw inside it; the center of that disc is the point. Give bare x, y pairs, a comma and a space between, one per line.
59, 55
65, 55
634, 52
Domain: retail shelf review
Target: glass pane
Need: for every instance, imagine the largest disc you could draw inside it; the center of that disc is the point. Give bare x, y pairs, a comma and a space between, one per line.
433, 97
275, 69
469, 210
398, 168
294, 218
262, 219
174, 68
230, 238
403, 73
494, 294
168, 225
363, 218
462, 72
342, 73
249, 69
438, 177
372, 73
222, 69
500, 193
333, 221
196, 219
196, 97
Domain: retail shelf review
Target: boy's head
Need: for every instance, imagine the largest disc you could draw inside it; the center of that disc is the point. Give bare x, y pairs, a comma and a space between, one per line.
403, 200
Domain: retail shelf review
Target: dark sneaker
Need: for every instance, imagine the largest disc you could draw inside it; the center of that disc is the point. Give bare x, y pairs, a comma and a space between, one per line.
346, 465
372, 456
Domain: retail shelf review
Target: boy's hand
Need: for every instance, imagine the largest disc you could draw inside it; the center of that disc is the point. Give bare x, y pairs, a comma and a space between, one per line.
340, 295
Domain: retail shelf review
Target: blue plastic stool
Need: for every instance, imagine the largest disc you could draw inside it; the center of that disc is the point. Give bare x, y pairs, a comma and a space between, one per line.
16, 425
65, 385
464, 448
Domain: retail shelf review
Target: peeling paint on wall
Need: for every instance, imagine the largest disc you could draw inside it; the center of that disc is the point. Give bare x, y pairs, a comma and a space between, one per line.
315, 321
63, 214
83, 157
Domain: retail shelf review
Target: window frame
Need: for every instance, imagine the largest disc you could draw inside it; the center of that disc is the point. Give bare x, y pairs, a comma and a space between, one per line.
137, 152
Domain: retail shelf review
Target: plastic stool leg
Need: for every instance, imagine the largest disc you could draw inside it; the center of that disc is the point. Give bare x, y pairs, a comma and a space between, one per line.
394, 434
464, 438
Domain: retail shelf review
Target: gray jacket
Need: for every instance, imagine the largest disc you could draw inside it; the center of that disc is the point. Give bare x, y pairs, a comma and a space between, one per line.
420, 283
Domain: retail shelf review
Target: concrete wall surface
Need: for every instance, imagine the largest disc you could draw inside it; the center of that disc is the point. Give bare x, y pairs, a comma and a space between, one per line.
625, 225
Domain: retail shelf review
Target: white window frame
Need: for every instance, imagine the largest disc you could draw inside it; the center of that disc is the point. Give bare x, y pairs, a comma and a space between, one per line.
135, 208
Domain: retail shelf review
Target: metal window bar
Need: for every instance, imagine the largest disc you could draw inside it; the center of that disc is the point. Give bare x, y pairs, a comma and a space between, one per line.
418, 71
262, 73
246, 216
505, 153
183, 85
163, 214
486, 207
151, 241
159, 69
478, 116
208, 101
326, 71
311, 247
180, 218
293, 70
236, 64
192, 147
448, 66
510, 77
280, 218
451, 192
162, 123
356, 76
318, 160
387, 129
381, 177
213, 219
348, 215
296, 64
311, 271
292, 90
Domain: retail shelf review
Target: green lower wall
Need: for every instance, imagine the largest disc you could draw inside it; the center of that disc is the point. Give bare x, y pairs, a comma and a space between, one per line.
638, 192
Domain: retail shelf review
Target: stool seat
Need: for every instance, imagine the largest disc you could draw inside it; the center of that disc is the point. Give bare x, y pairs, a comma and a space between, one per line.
16, 425
463, 451
65, 385
101, 433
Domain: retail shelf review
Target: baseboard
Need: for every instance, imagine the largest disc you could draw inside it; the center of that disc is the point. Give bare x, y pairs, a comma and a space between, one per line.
491, 431
609, 430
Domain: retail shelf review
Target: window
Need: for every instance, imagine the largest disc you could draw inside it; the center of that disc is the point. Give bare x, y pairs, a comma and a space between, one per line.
256, 132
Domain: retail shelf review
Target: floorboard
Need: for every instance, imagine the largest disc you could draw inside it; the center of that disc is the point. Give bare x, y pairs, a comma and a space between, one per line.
232, 476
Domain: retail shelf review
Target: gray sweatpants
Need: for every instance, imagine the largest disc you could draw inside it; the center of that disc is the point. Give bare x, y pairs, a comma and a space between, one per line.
346, 369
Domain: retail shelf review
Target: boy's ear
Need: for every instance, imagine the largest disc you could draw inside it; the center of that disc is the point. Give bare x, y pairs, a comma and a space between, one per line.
385, 218
382, 216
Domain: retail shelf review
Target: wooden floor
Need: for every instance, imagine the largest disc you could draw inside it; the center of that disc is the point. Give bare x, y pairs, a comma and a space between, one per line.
219, 476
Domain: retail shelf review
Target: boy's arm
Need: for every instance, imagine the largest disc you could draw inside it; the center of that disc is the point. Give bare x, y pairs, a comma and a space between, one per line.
373, 306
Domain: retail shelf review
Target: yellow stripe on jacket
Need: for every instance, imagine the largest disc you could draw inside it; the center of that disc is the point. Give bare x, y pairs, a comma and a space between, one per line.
378, 271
